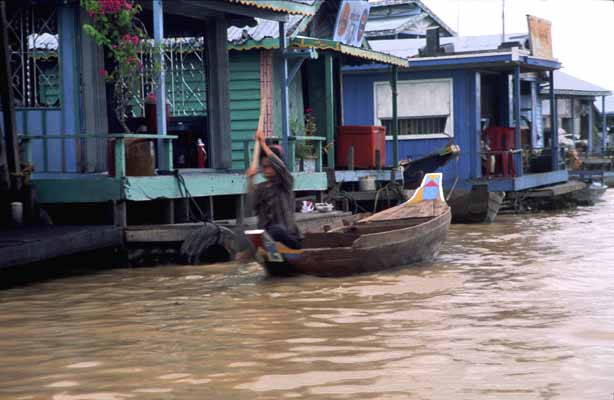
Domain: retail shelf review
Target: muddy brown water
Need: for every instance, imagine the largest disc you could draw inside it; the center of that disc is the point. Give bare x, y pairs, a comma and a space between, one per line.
520, 309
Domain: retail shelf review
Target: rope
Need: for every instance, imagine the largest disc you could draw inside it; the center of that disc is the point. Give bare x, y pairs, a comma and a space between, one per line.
185, 193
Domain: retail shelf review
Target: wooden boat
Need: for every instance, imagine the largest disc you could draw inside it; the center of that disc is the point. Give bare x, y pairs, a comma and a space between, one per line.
476, 205
591, 193
402, 235
414, 170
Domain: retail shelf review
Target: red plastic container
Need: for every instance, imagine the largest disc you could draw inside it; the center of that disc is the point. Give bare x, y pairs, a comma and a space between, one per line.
367, 141
501, 141
501, 138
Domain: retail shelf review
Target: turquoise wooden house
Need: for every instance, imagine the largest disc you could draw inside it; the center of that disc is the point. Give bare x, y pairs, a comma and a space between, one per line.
314, 75
212, 93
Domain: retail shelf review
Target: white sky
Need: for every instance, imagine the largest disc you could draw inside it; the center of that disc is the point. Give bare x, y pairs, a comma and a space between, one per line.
582, 30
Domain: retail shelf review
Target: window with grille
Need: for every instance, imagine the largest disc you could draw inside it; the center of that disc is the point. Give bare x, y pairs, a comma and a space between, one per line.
424, 108
418, 125
185, 69
34, 57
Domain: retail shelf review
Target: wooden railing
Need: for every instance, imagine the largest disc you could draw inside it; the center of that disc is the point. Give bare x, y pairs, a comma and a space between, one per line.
291, 158
119, 147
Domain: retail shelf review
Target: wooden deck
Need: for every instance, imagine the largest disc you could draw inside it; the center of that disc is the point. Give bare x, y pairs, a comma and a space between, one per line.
32, 244
97, 188
556, 190
527, 181
175, 233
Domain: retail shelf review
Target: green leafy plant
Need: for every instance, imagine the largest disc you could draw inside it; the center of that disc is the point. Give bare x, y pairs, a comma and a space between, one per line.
117, 29
306, 149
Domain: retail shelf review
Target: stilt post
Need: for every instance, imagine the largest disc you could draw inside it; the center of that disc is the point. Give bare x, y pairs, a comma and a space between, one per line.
554, 140
395, 119
285, 111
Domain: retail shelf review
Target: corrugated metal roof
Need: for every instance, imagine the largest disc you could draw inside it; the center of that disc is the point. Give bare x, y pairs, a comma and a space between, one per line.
565, 84
301, 7
419, 4
609, 104
407, 48
364, 54
264, 29
388, 24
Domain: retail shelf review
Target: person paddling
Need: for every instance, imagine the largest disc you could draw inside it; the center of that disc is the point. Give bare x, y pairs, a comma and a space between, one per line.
273, 199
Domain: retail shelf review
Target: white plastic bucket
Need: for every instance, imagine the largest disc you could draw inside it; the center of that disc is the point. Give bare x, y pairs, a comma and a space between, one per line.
17, 212
366, 183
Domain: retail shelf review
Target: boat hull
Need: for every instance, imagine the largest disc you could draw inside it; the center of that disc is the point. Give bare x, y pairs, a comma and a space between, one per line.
591, 194
477, 205
370, 252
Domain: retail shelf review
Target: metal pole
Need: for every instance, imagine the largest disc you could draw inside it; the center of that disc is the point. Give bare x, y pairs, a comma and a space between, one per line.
589, 149
330, 111
554, 139
503, 20
395, 120
517, 105
165, 159
285, 111
10, 152
604, 130
573, 120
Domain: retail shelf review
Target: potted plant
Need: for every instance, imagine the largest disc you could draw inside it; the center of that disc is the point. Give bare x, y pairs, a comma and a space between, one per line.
115, 27
305, 150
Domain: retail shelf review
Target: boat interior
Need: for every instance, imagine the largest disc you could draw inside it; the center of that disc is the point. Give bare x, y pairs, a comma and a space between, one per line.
345, 237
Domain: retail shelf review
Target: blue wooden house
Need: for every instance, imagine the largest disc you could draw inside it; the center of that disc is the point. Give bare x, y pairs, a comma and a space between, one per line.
454, 89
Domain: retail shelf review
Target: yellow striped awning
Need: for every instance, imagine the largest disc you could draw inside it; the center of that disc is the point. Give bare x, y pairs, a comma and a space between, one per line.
365, 54
284, 6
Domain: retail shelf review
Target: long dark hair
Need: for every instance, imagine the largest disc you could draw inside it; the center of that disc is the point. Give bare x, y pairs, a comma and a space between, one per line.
276, 149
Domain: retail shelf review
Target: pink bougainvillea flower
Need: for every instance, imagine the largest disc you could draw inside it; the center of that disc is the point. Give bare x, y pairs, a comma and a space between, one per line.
135, 40
309, 110
103, 72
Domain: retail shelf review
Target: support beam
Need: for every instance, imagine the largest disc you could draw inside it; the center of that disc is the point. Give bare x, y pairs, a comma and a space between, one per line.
604, 127
517, 106
572, 101
476, 166
535, 115
285, 111
165, 147
329, 97
554, 139
94, 116
395, 119
120, 213
218, 94
589, 150
9, 150
168, 208
295, 68
69, 84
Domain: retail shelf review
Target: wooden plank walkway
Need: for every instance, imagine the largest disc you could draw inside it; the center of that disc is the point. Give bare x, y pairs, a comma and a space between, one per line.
27, 245
556, 190
176, 233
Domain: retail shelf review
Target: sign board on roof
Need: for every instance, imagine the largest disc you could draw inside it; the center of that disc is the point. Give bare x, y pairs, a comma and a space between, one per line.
540, 37
351, 21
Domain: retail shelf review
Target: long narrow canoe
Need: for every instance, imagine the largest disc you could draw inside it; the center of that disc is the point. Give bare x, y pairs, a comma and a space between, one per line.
408, 233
